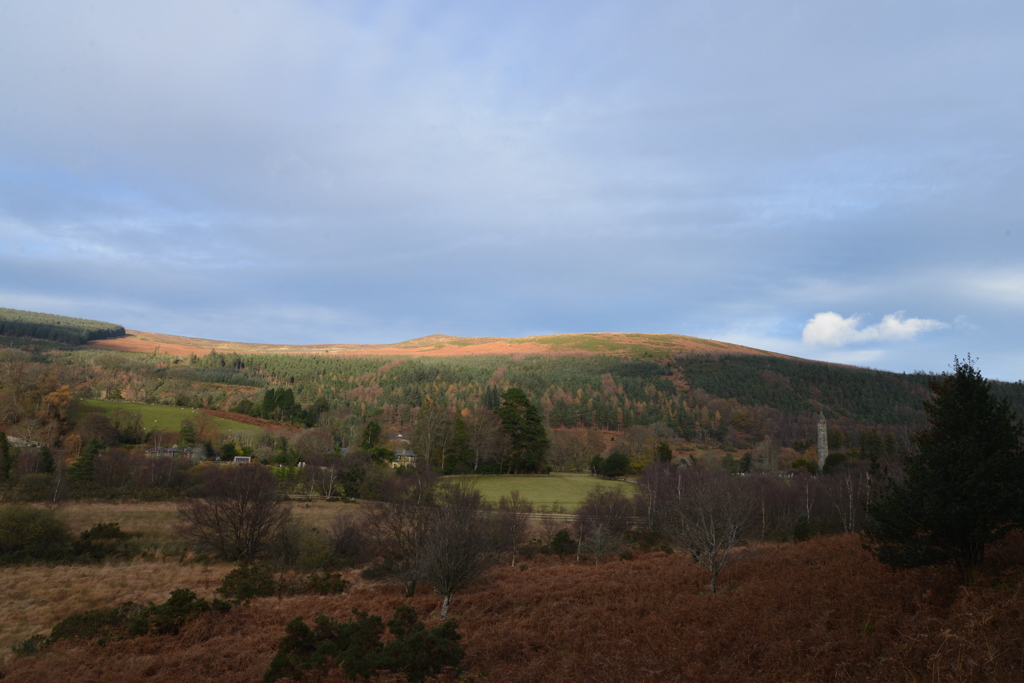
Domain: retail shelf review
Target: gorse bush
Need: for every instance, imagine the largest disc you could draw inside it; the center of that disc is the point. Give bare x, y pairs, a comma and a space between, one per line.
104, 531
252, 581
182, 606
325, 583
127, 620
356, 646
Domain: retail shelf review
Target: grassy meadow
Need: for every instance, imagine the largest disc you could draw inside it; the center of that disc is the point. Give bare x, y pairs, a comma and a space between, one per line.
564, 489
169, 418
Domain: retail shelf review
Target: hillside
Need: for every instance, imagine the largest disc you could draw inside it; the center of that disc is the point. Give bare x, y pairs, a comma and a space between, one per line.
439, 345
699, 394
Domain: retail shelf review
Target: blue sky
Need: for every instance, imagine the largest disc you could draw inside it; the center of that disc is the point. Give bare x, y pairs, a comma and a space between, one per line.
831, 180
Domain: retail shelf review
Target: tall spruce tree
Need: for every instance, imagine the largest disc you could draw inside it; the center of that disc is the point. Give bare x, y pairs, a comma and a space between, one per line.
81, 469
522, 422
961, 489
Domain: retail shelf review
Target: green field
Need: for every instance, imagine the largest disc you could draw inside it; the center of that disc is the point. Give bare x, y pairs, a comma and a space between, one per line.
567, 490
169, 418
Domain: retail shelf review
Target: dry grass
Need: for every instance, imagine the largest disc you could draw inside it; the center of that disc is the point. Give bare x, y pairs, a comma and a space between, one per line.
154, 522
34, 598
319, 514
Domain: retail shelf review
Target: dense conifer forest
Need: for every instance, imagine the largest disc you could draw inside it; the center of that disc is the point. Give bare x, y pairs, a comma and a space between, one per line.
55, 328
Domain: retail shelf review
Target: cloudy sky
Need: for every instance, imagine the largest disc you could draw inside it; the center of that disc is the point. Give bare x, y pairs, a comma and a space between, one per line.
834, 180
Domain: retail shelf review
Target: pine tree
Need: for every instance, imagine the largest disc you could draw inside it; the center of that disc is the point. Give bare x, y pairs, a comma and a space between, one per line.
522, 422
81, 469
962, 489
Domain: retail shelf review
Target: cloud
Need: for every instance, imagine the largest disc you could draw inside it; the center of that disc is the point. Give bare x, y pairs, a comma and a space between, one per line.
832, 329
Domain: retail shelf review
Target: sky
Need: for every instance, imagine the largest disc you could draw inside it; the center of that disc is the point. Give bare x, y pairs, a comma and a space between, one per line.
831, 180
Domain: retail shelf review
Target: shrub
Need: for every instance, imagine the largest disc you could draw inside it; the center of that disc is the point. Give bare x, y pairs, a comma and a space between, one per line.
356, 646
104, 531
315, 551
96, 623
179, 608
31, 646
245, 583
325, 583
348, 540
32, 533
127, 620
562, 544
802, 529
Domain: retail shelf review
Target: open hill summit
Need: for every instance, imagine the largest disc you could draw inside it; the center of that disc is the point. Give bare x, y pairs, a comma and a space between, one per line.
440, 345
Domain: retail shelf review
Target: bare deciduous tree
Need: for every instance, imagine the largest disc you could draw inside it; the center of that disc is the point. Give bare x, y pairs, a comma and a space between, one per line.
485, 437
435, 430
458, 551
847, 491
513, 522
712, 512
601, 521
572, 449
552, 520
399, 525
238, 514
766, 457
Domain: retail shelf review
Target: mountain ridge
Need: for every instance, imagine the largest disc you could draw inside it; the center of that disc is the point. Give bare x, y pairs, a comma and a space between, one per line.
630, 344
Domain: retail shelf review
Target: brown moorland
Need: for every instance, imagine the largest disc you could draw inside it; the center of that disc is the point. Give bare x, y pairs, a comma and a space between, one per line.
822, 610
624, 344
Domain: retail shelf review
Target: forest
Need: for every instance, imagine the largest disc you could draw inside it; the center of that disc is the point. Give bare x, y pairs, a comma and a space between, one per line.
55, 328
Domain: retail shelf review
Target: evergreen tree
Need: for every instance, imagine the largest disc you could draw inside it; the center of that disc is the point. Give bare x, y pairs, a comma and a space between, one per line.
371, 436
81, 469
522, 422
461, 458
491, 398
963, 487
6, 459
46, 456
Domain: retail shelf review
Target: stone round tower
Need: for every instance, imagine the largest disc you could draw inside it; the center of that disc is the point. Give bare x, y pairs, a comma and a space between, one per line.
822, 442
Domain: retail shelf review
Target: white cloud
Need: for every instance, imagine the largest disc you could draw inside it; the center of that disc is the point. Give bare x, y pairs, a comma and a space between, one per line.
832, 329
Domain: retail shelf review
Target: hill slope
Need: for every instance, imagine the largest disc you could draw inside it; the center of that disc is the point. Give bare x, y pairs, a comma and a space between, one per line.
440, 345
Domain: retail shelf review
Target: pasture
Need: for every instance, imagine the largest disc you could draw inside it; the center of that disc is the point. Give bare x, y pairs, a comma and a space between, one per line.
548, 490
169, 418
